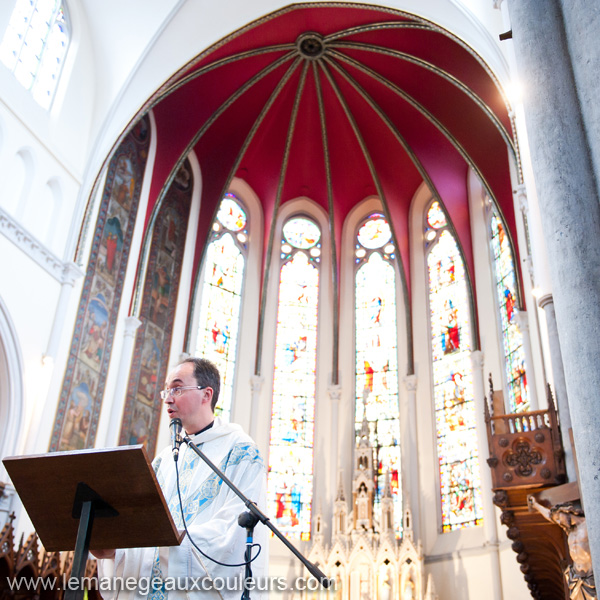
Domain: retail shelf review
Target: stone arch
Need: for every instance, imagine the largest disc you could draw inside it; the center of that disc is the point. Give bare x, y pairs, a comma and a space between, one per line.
11, 386
18, 184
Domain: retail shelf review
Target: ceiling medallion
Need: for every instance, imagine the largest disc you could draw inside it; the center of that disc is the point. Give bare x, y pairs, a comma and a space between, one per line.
310, 45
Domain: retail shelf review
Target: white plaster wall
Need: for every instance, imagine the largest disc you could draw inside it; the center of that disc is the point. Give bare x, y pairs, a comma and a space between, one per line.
40, 191
466, 575
29, 295
64, 130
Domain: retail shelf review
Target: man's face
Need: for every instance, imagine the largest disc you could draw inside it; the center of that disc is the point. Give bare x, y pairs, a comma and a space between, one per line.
193, 406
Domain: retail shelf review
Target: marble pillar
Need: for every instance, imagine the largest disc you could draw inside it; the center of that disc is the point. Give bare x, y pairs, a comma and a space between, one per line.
560, 387
70, 274
410, 455
118, 402
490, 527
570, 214
523, 323
256, 382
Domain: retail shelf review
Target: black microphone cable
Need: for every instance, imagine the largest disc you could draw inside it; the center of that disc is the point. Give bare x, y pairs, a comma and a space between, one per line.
243, 564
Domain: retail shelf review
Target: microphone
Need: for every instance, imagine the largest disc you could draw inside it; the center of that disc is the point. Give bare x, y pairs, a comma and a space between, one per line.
176, 437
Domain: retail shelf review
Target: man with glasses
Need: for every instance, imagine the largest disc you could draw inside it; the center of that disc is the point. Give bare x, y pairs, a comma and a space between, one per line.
210, 508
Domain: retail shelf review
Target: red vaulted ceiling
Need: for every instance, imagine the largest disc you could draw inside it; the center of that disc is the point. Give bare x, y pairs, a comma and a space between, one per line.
374, 102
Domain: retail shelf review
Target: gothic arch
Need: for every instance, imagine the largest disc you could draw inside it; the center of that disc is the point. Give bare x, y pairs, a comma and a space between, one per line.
11, 385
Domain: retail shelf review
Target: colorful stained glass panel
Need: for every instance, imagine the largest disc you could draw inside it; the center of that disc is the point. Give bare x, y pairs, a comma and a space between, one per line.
301, 233
512, 338
220, 313
377, 372
435, 216
290, 477
231, 215
375, 233
34, 46
453, 386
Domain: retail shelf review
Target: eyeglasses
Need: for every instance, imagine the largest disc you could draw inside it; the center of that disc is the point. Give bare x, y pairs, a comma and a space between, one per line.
177, 391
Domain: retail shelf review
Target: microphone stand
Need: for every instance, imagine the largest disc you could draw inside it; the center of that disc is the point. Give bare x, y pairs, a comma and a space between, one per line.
257, 515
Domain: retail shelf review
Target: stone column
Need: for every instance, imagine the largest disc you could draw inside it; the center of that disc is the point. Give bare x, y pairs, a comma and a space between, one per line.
538, 275
523, 323
70, 274
582, 23
256, 382
560, 388
570, 215
489, 513
335, 393
116, 410
410, 460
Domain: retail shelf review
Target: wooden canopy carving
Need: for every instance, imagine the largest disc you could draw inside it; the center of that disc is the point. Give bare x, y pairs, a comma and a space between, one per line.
47, 570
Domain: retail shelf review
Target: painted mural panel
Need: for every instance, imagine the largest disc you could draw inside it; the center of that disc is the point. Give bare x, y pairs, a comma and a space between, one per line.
143, 405
80, 400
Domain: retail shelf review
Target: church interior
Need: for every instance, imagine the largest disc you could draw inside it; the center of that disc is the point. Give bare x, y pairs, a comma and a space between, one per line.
381, 222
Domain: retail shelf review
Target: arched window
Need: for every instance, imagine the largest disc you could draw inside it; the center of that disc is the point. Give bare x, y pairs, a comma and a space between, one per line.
376, 336
34, 46
450, 319
290, 483
512, 338
220, 297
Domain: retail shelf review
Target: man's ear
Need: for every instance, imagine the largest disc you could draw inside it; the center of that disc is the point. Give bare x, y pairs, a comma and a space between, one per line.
208, 394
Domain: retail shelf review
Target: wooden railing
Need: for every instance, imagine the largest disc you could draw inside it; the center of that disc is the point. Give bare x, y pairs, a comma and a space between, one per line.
522, 422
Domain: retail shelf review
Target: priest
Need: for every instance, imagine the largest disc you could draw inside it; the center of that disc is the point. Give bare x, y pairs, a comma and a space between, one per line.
210, 507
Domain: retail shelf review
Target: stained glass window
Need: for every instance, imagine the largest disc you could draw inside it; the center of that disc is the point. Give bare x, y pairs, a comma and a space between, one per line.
301, 233
512, 338
376, 381
290, 478
220, 297
450, 319
34, 46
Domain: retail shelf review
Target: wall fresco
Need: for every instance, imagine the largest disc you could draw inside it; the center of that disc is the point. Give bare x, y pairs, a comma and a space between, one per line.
82, 390
150, 362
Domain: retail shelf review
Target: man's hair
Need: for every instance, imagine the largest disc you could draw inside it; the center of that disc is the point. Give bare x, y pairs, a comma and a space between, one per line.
206, 375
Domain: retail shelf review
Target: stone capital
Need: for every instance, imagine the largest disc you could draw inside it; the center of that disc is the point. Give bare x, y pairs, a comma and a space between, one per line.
70, 274
477, 359
131, 325
335, 392
528, 261
256, 382
410, 382
545, 300
520, 193
522, 320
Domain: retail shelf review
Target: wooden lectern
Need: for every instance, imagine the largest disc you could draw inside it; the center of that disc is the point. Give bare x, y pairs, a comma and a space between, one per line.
114, 489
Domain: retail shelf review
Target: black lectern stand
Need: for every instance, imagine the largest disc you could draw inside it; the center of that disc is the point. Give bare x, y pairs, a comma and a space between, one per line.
114, 490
